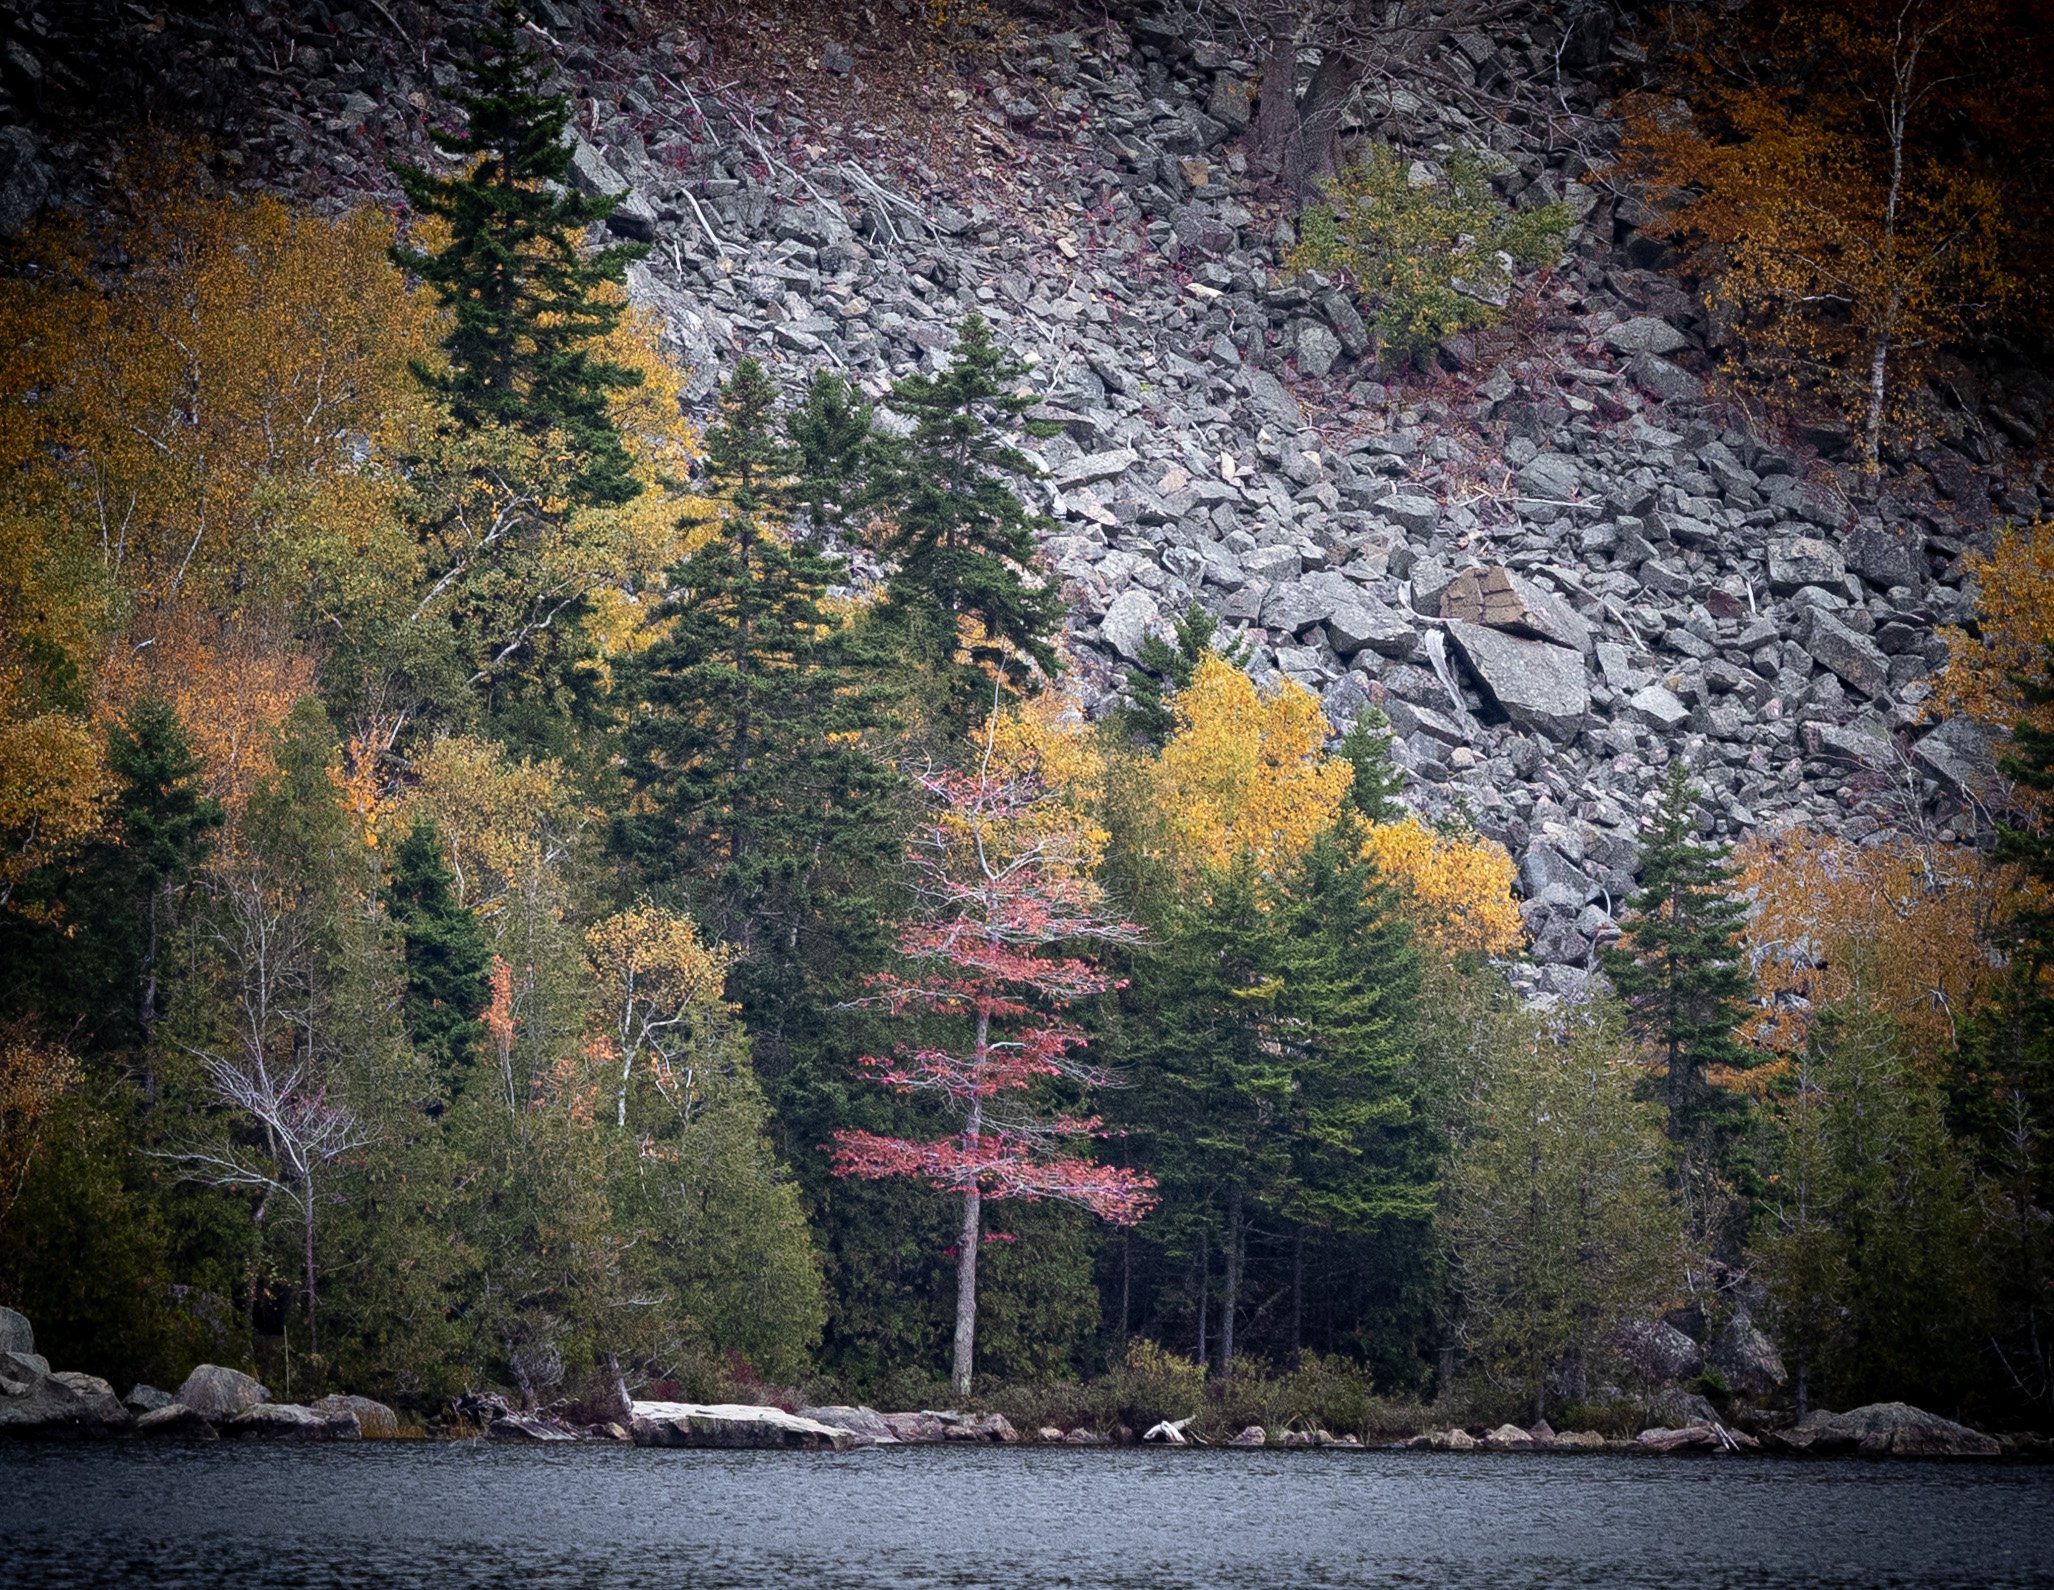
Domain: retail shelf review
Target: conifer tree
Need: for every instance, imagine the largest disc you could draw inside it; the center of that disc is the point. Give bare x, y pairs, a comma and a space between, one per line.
448, 965
527, 300
745, 730
964, 592
1166, 667
1680, 970
832, 431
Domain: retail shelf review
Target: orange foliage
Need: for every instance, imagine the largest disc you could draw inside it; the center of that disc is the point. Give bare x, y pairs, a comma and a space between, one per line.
2014, 627
1905, 923
34, 1075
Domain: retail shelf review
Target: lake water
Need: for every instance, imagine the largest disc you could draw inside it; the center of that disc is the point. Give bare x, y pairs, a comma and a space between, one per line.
466, 1514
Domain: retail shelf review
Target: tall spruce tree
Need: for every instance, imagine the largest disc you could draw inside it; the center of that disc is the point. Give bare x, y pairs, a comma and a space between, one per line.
757, 795
833, 433
448, 964
1680, 970
963, 592
527, 299
1165, 667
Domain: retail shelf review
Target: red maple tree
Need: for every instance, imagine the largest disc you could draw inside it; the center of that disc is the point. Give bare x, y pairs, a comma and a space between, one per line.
1001, 886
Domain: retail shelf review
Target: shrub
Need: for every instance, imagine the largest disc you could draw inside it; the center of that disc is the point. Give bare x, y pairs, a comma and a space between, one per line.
1426, 260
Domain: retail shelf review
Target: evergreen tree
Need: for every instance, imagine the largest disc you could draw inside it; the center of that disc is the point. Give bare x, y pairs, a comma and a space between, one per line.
1680, 970
1868, 1241
1558, 1227
961, 538
745, 733
1373, 797
527, 300
832, 431
448, 965
1165, 667
87, 939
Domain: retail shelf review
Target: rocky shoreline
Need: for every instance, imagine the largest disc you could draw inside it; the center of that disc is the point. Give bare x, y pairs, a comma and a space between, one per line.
218, 1403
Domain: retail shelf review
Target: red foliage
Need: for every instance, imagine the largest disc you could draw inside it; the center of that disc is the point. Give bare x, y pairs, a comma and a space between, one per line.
1001, 890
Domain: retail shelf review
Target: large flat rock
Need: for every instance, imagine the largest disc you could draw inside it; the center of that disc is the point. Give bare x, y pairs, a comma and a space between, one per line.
1538, 685
727, 1424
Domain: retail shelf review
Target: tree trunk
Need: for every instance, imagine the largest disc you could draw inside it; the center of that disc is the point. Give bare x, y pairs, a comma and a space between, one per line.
1276, 110
1204, 1289
966, 1264
307, 1252
1230, 1290
1297, 1295
1804, 1399
1316, 124
1126, 1284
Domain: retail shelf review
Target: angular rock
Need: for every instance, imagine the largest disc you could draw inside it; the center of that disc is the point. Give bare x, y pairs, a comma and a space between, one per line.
175, 1422
695, 1424
1692, 1438
867, 1425
1645, 334
1317, 349
16, 1334
1958, 754
1855, 658
1367, 624
1885, 558
1658, 708
373, 1418
214, 1392
44, 1407
1126, 623
147, 1399
1293, 609
286, 1421
1411, 512
1663, 381
1509, 1438
99, 1398
1500, 599
1747, 1358
1537, 685
1252, 1435
1798, 561
1094, 467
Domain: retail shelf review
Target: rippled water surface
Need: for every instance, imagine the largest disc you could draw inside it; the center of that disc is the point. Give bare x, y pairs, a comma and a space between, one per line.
465, 1514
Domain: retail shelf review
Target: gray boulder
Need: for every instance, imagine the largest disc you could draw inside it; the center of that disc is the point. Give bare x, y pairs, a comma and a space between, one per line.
100, 1401
23, 1366
44, 1408
373, 1418
1798, 561
1958, 754
175, 1422
1658, 708
1747, 1358
1317, 349
867, 1425
695, 1424
287, 1421
1858, 661
148, 1399
214, 1392
24, 183
1888, 1429
1127, 623
1367, 624
1537, 685
1645, 334
16, 1334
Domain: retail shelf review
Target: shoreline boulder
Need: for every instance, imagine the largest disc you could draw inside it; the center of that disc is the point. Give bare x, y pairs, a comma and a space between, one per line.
215, 1392
698, 1424
1887, 1429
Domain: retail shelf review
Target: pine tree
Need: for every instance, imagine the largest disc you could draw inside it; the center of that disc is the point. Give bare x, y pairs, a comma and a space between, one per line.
527, 300
87, 938
1680, 969
448, 964
1373, 797
833, 433
745, 730
1166, 667
963, 591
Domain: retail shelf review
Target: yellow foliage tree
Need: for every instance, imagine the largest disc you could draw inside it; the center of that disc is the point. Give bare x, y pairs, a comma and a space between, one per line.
1244, 773
1046, 740
659, 989
502, 820
1457, 887
1906, 923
